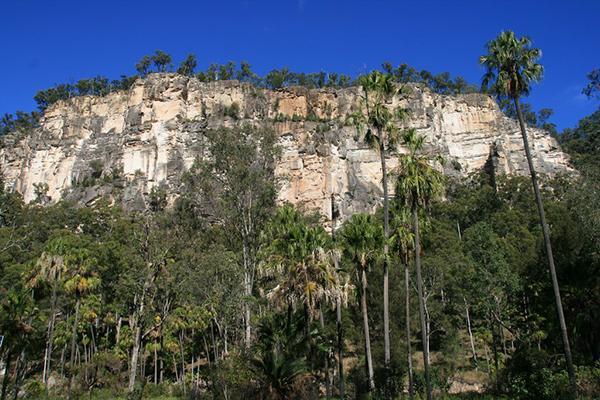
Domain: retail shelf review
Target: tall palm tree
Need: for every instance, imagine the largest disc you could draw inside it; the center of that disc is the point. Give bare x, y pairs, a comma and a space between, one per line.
418, 183
82, 279
49, 270
402, 241
362, 238
299, 258
380, 122
511, 67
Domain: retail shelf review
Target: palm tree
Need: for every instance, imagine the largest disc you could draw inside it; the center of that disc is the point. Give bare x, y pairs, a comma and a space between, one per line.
297, 260
362, 238
418, 183
402, 240
511, 66
49, 269
16, 314
82, 279
278, 364
378, 89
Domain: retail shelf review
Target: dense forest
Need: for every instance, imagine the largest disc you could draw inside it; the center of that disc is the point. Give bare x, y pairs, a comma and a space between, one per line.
445, 292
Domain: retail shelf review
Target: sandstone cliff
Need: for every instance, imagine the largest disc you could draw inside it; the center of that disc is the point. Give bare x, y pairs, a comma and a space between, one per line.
129, 142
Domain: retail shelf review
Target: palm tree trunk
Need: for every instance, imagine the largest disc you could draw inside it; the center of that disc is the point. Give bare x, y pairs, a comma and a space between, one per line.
6, 379
407, 327
549, 255
386, 234
326, 366
73, 343
19, 372
424, 338
338, 312
340, 347
155, 362
363, 306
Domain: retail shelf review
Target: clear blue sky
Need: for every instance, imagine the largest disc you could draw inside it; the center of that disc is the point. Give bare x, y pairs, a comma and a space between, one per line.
45, 42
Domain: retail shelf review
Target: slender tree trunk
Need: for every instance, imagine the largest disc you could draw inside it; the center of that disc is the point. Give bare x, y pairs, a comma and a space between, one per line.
247, 292
470, 333
73, 343
549, 255
363, 306
118, 330
340, 347
487, 358
19, 372
182, 363
386, 234
6, 379
49, 339
338, 312
62, 361
327, 383
407, 327
424, 338
427, 328
495, 349
155, 363
135, 353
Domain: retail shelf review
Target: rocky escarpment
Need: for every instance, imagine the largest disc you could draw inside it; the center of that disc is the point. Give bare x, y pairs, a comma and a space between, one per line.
124, 144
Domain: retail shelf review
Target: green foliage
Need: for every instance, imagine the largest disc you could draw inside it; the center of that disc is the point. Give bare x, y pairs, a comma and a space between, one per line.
22, 123
279, 365
188, 65
583, 144
161, 61
593, 86
511, 66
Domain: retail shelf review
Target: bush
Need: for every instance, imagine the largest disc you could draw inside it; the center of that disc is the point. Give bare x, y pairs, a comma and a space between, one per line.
530, 374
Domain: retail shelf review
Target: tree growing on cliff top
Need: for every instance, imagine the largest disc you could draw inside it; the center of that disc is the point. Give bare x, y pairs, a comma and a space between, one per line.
593, 86
188, 65
162, 61
511, 67
143, 66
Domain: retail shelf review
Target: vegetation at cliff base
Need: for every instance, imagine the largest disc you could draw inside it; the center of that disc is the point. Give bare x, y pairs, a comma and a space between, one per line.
484, 286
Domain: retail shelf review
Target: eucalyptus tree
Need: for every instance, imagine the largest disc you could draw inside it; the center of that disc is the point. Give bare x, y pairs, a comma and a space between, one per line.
511, 65
362, 237
188, 65
161, 60
236, 187
151, 255
143, 66
418, 183
381, 133
593, 86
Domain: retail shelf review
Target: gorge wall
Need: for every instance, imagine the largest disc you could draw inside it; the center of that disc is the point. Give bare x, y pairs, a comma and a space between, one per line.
124, 144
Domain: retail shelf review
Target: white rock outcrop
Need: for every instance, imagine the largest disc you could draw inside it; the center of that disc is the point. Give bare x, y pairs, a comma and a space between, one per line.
150, 134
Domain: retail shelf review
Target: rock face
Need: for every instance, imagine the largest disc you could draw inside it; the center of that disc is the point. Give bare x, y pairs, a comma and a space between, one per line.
129, 142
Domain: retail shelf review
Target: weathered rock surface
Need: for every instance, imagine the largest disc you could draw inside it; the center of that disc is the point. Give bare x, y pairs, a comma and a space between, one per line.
129, 142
